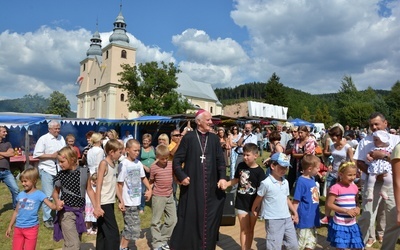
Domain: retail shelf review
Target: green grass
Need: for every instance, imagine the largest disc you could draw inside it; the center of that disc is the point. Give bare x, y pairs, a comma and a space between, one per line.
45, 239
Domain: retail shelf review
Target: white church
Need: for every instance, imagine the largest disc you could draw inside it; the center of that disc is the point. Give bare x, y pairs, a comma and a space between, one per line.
99, 95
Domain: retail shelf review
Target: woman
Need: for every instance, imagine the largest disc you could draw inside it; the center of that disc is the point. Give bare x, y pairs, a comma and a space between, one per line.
340, 151
83, 161
163, 139
95, 154
232, 140
275, 142
147, 157
223, 139
291, 176
304, 145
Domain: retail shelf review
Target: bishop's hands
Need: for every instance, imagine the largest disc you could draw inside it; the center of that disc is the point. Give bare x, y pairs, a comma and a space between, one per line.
185, 181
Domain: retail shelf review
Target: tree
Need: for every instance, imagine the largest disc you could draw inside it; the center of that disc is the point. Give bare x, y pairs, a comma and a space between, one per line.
275, 92
152, 89
393, 102
33, 104
306, 114
59, 104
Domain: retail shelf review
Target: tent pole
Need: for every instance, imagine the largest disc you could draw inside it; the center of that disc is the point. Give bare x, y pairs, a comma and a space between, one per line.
27, 149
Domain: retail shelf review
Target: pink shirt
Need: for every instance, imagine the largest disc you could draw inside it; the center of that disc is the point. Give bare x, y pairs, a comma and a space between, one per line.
162, 178
346, 198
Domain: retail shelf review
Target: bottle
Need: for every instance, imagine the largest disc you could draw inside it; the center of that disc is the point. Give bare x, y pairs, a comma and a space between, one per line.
19, 151
15, 151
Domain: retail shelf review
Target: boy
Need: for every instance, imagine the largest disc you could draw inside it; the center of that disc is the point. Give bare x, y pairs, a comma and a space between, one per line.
163, 203
273, 193
130, 175
306, 202
248, 176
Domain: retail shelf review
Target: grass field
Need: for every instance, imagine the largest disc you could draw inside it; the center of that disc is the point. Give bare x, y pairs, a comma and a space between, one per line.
45, 240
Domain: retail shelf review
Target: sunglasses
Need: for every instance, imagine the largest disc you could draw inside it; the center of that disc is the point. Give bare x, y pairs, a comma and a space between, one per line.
177, 135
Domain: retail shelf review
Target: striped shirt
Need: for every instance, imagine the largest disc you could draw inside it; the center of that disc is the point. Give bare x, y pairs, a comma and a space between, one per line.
345, 198
162, 178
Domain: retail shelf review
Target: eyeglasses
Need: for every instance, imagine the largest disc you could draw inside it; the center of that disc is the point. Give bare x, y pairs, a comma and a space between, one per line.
177, 135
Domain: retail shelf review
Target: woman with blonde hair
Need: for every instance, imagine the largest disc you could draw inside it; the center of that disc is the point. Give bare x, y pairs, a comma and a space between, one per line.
96, 153
163, 139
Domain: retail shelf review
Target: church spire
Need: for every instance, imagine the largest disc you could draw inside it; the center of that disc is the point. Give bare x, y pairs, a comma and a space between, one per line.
119, 35
95, 46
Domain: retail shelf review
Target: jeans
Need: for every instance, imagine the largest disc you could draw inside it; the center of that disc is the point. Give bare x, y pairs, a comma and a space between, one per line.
234, 156
47, 188
8, 178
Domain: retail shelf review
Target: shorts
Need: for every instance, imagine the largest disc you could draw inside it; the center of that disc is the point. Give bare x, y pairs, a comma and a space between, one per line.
307, 238
131, 229
240, 211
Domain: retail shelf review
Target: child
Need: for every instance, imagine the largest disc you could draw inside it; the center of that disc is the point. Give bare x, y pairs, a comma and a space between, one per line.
273, 193
343, 230
380, 166
248, 176
90, 219
306, 202
130, 177
25, 215
163, 203
73, 183
107, 228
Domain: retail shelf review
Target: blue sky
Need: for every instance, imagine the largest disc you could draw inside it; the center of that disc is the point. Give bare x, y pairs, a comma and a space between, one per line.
310, 44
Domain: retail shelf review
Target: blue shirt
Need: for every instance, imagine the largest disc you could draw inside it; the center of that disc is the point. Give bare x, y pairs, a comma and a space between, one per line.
28, 207
307, 194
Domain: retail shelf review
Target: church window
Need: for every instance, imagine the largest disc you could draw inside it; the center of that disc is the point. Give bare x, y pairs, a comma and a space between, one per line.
122, 97
94, 81
211, 110
123, 54
94, 104
107, 54
84, 67
104, 97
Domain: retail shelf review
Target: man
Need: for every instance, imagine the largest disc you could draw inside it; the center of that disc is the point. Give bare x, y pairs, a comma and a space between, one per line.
285, 136
6, 151
370, 208
247, 137
260, 140
203, 181
176, 137
46, 151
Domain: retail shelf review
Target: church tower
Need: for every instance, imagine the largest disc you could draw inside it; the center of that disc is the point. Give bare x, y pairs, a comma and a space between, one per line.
99, 95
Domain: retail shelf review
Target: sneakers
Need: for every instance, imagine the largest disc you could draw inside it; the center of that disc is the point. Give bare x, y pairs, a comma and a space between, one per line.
324, 221
49, 224
165, 247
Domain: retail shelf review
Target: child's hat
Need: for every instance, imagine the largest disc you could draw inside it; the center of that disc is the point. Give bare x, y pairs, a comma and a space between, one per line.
282, 159
383, 136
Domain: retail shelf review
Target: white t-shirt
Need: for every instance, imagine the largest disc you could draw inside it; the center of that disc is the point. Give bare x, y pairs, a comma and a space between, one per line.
131, 174
366, 145
251, 138
48, 144
94, 156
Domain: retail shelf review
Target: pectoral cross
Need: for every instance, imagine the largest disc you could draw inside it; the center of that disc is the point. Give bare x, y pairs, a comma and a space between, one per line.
202, 157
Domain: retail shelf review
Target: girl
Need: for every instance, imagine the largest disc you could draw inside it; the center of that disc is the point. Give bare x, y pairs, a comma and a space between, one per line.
90, 219
25, 215
107, 228
73, 183
343, 230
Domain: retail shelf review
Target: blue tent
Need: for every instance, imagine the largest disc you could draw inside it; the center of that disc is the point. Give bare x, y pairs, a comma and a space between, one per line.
299, 122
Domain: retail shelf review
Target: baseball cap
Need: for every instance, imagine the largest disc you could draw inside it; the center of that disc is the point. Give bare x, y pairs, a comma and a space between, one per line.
282, 159
102, 129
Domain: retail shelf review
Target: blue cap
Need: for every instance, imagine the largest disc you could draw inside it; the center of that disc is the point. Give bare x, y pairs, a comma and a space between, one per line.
282, 159
102, 129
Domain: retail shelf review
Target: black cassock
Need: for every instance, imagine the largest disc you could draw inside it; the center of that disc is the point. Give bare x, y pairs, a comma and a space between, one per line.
201, 202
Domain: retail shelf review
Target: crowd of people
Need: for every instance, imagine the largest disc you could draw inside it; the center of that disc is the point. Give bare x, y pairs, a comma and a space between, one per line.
84, 185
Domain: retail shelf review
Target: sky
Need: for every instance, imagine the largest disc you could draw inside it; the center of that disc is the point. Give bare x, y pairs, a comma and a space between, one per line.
309, 44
